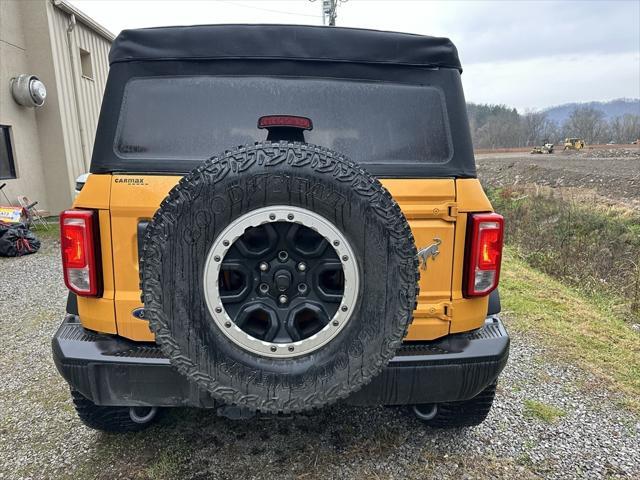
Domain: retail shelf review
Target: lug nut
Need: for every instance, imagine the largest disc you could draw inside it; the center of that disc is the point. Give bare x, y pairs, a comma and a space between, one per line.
283, 299
302, 266
264, 266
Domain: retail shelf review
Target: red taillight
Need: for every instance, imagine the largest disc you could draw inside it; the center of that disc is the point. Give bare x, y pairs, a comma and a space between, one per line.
291, 121
80, 252
484, 253
73, 248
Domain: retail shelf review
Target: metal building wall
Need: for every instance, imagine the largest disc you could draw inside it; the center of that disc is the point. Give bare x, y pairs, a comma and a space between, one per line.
83, 96
17, 56
92, 90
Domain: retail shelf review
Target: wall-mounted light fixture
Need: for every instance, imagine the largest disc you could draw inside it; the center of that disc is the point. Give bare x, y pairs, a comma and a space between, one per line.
28, 90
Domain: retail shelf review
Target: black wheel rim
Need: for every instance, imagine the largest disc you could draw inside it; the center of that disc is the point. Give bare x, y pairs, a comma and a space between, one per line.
281, 282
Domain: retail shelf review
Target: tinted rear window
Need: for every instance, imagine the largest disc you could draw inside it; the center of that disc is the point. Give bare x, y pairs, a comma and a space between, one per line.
193, 118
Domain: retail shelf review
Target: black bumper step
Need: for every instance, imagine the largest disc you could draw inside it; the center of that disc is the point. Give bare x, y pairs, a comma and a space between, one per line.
111, 370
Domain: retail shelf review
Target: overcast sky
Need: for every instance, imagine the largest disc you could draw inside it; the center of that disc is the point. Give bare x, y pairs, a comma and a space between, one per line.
528, 54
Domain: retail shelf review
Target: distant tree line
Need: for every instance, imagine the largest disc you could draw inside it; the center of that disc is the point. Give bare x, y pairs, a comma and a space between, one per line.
499, 126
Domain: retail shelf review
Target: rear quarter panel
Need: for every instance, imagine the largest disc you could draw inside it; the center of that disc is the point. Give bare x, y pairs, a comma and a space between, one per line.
99, 313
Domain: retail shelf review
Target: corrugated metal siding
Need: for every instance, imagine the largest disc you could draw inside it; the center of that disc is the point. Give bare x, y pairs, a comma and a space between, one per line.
58, 23
90, 91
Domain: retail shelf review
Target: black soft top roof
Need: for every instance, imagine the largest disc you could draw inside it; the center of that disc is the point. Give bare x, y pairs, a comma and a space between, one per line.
283, 42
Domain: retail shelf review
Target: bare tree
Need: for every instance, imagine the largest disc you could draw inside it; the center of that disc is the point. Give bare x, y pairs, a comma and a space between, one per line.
532, 124
536, 128
499, 126
588, 123
625, 128
494, 126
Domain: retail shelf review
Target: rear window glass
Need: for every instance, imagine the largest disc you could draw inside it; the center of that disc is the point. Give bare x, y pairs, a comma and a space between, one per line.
194, 118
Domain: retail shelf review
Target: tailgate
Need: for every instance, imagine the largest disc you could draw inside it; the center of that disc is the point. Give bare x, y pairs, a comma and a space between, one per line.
429, 205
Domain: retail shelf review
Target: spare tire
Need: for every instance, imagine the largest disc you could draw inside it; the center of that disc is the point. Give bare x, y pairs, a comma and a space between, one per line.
279, 277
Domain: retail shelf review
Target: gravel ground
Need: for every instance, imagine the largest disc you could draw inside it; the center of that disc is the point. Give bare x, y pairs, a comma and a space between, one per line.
40, 437
611, 173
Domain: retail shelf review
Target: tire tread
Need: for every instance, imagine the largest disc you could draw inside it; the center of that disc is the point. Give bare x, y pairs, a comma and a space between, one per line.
467, 413
106, 419
322, 161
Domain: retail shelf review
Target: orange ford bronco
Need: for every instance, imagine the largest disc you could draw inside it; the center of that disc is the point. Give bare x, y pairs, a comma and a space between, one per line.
278, 218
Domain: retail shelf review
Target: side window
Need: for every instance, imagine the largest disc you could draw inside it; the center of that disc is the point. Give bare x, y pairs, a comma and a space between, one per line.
85, 64
7, 165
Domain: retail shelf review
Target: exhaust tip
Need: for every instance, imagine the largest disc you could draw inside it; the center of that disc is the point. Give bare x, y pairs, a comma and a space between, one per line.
426, 411
142, 415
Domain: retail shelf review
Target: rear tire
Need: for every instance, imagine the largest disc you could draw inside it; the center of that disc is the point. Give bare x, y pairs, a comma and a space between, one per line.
467, 413
112, 419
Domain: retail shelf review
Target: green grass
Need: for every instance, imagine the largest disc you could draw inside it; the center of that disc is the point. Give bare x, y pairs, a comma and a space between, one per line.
575, 326
542, 411
593, 247
164, 466
47, 234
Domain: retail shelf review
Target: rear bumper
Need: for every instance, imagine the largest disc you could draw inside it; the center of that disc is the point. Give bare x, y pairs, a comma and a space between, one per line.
110, 370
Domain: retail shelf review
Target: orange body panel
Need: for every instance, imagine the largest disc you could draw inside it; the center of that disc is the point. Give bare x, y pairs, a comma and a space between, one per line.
436, 210
471, 197
427, 204
98, 313
130, 203
95, 194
